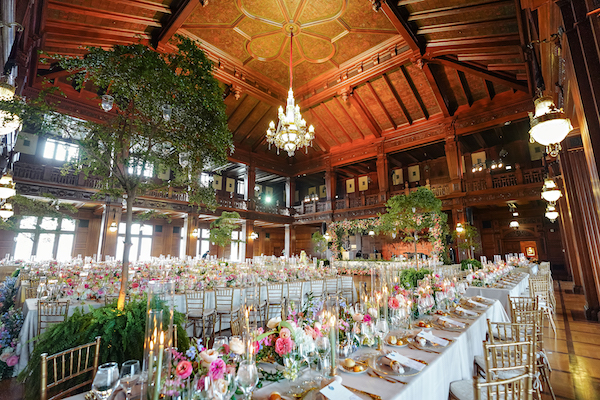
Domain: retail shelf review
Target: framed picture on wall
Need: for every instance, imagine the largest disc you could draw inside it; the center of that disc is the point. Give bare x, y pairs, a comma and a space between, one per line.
363, 183
397, 177
258, 189
269, 190
323, 191
530, 251
296, 196
414, 173
350, 186
217, 182
230, 185
312, 190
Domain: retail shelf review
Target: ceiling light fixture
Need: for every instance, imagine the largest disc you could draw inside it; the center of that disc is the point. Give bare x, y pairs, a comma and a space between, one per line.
371, 233
514, 224
550, 191
459, 228
551, 213
7, 186
253, 235
6, 211
113, 227
291, 133
549, 125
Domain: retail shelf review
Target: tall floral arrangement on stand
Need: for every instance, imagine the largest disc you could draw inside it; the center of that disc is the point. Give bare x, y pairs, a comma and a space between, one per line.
340, 229
11, 322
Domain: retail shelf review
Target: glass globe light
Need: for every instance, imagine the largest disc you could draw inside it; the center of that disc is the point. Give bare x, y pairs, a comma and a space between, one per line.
107, 102
551, 213
459, 228
7, 186
6, 211
549, 126
371, 233
113, 227
8, 122
514, 224
550, 191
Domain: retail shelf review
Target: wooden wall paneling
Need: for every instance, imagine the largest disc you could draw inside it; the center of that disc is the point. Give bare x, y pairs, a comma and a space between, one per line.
587, 226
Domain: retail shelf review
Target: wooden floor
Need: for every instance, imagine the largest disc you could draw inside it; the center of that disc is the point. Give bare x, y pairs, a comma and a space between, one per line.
574, 352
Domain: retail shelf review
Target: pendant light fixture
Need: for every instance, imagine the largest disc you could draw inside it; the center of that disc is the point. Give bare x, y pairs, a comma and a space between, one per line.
8, 122
291, 133
551, 213
549, 125
550, 192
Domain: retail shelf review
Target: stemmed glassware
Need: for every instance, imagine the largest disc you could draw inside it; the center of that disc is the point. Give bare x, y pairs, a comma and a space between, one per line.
323, 349
220, 341
308, 352
106, 380
381, 328
130, 374
247, 377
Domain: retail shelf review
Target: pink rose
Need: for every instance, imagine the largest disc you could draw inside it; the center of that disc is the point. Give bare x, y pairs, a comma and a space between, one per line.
217, 368
12, 361
284, 346
394, 303
184, 369
285, 333
366, 319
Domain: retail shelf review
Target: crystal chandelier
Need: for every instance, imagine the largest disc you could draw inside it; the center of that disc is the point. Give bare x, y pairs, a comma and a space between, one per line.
291, 133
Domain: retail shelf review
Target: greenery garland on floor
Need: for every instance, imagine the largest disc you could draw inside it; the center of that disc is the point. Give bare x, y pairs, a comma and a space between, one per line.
122, 335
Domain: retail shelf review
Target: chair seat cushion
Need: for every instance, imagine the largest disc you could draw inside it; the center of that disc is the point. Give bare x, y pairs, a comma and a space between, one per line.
227, 310
200, 314
480, 361
463, 390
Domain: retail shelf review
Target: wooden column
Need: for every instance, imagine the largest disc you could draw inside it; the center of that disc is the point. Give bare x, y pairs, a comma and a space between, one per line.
290, 188
249, 241
383, 173
568, 238
583, 72
586, 225
330, 182
250, 183
453, 158
190, 240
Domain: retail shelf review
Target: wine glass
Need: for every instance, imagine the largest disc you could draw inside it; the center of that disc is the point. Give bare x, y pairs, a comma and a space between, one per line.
231, 385
247, 377
323, 349
308, 352
382, 328
106, 380
130, 374
220, 341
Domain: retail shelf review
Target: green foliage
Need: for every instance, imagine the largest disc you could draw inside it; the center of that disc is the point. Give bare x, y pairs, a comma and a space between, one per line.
468, 238
222, 227
49, 207
319, 242
408, 215
122, 335
470, 264
410, 277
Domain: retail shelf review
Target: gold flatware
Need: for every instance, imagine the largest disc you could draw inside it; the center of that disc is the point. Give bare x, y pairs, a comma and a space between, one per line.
303, 394
371, 395
373, 374
419, 348
379, 373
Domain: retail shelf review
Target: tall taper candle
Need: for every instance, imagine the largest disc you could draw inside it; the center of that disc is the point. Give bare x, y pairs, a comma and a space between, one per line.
333, 343
161, 348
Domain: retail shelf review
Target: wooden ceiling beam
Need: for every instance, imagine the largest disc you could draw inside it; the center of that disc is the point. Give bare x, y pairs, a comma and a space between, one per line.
487, 56
393, 160
104, 14
360, 107
176, 21
414, 91
348, 116
238, 108
482, 73
328, 111
84, 29
144, 4
489, 89
263, 119
406, 2
381, 105
256, 145
506, 67
452, 27
476, 43
402, 26
391, 88
245, 118
323, 126
456, 10
437, 92
480, 140
464, 85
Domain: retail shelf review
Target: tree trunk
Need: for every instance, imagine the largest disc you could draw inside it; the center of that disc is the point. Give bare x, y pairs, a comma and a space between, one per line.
126, 250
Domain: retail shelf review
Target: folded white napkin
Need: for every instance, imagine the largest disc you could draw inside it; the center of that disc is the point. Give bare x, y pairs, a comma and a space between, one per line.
465, 311
452, 322
485, 299
433, 339
407, 362
477, 303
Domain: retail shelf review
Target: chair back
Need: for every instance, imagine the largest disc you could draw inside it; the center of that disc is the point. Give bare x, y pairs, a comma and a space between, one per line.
518, 304
295, 291
30, 290
515, 388
330, 286
511, 332
111, 298
194, 301
60, 368
507, 359
51, 312
346, 285
316, 287
224, 298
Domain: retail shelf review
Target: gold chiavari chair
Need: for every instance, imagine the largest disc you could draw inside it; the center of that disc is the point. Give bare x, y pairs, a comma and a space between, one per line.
316, 287
51, 312
540, 289
197, 314
112, 298
224, 307
257, 305
29, 290
346, 285
330, 286
60, 368
518, 304
274, 300
295, 292
504, 361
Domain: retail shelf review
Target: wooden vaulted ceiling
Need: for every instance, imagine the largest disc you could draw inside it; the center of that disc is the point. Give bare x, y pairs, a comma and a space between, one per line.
363, 69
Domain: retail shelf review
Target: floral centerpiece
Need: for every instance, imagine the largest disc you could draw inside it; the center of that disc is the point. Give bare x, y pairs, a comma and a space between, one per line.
11, 322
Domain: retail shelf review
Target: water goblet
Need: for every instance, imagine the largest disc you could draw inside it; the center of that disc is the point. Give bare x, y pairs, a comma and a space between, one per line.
220, 341
130, 374
106, 380
247, 378
323, 350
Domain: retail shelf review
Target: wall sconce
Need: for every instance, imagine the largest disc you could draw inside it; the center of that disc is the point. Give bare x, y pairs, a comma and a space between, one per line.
113, 227
459, 228
253, 235
195, 233
327, 237
514, 224
371, 233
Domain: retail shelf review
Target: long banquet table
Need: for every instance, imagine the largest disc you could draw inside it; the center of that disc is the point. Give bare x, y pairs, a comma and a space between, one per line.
433, 383
501, 294
30, 322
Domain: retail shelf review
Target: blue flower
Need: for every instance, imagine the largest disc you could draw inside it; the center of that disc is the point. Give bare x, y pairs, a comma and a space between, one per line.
191, 353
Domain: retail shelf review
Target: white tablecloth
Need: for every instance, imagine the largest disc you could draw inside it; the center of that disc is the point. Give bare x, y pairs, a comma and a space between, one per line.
433, 383
501, 294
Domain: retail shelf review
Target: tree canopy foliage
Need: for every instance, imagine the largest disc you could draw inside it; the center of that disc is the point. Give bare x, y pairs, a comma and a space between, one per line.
222, 228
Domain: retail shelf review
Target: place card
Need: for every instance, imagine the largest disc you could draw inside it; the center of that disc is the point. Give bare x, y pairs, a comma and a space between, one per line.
452, 322
465, 311
433, 339
407, 362
335, 391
